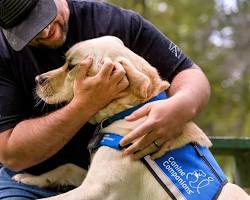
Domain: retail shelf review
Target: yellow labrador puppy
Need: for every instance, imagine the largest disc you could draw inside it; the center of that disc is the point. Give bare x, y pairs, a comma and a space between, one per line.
112, 176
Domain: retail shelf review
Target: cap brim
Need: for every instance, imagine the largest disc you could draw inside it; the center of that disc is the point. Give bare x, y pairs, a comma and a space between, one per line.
41, 16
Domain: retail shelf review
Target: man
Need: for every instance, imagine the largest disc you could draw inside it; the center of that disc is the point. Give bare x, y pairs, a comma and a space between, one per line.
35, 137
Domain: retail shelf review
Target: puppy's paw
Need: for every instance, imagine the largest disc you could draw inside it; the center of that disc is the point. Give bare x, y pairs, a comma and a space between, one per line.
29, 179
20, 177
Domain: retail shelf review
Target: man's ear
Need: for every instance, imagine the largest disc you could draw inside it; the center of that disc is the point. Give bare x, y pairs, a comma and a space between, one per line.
139, 83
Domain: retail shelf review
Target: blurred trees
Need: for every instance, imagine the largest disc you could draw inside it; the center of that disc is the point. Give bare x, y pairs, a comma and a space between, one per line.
216, 35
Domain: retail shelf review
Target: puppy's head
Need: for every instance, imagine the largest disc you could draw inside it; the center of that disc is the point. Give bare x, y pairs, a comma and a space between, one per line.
56, 86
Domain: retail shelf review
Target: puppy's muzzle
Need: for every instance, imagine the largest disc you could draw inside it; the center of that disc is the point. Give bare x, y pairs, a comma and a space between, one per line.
40, 80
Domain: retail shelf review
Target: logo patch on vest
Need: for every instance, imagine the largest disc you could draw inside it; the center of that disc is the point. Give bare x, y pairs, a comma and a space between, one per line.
191, 182
187, 174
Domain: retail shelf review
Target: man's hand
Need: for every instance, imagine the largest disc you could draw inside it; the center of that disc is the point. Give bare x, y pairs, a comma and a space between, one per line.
164, 123
189, 93
102, 88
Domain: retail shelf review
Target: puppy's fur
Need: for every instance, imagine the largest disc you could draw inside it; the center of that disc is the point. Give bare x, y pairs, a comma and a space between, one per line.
112, 176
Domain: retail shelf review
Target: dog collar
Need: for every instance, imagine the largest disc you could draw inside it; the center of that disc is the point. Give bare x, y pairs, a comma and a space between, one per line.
129, 111
111, 140
98, 135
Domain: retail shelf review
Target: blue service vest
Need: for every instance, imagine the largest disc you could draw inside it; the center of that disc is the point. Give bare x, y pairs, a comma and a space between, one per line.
186, 173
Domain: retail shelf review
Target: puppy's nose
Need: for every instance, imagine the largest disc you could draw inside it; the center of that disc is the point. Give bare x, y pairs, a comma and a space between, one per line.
40, 80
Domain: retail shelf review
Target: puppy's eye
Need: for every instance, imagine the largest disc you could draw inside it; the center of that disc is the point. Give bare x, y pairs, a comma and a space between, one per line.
70, 66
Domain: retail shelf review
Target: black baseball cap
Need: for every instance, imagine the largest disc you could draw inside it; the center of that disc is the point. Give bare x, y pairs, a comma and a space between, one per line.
22, 20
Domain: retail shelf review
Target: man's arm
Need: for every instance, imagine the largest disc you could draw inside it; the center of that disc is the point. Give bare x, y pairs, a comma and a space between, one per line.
189, 93
192, 86
35, 140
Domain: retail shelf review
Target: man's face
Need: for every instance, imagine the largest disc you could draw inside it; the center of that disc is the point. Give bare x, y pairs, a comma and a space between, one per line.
54, 35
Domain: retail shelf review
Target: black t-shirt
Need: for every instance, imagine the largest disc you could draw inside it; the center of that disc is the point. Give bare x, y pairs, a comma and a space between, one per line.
88, 19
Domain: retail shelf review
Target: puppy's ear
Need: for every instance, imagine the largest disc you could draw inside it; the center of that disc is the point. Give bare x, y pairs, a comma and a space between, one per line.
139, 83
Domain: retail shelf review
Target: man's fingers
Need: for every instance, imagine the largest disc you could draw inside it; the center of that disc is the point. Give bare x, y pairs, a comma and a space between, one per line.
166, 146
141, 112
122, 94
83, 67
118, 73
146, 151
107, 67
147, 140
134, 147
155, 149
142, 144
136, 133
123, 84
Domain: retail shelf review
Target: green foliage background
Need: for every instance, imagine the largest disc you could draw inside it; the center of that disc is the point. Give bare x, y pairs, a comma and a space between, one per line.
216, 35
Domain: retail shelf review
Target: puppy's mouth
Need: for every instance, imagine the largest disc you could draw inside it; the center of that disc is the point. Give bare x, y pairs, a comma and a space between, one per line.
45, 92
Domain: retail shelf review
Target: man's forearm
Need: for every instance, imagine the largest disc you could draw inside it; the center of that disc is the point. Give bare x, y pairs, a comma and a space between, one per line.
193, 88
35, 140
